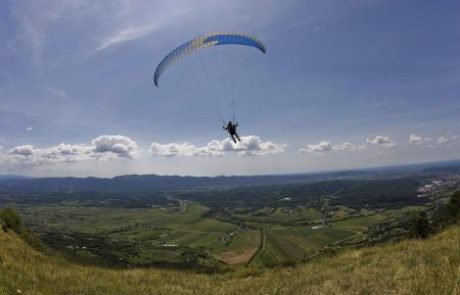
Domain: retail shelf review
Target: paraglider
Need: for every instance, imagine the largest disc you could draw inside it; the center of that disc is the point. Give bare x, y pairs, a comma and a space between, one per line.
195, 45
231, 128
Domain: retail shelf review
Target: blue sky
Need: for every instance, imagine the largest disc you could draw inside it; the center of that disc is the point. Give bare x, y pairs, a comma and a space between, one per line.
344, 84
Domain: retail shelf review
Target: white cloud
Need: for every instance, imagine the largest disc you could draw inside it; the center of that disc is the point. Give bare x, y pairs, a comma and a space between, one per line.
323, 146
445, 140
177, 149
34, 18
170, 12
381, 140
442, 140
249, 146
57, 92
29, 155
416, 139
29, 128
119, 145
103, 148
326, 146
317, 30
124, 35
348, 146
23, 150
428, 142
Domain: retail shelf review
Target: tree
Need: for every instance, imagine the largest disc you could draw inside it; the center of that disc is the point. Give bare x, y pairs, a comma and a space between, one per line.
420, 226
10, 219
453, 208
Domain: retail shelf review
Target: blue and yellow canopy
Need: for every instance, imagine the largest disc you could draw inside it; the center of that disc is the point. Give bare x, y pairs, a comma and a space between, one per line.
205, 41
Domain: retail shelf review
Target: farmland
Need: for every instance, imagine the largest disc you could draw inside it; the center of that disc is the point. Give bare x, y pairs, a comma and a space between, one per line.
213, 229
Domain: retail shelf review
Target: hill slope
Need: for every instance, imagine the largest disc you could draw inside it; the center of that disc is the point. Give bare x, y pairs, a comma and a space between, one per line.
409, 267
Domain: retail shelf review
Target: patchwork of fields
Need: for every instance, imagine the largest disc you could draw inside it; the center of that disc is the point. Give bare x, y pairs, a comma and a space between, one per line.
177, 234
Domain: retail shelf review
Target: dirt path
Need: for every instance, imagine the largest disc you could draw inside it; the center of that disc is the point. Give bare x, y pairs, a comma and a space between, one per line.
261, 246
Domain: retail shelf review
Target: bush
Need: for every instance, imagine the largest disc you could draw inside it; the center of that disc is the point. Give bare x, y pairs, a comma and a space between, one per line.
453, 208
3, 226
421, 227
10, 220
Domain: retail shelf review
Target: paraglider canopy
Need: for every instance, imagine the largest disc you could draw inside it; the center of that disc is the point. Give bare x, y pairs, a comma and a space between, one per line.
205, 41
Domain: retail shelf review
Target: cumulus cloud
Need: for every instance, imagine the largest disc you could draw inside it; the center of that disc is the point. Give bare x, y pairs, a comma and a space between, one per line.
382, 141
443, 140
326, 146
415, 139
119, 145
104, 147
430, 142
22, 150
348, 146
323, 146
249, 146
33, 156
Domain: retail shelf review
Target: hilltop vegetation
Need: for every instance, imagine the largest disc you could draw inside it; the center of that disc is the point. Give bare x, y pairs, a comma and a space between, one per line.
410, 267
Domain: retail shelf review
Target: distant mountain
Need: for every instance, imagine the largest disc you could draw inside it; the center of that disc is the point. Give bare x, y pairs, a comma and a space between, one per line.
7, 177
142, 183
137, 183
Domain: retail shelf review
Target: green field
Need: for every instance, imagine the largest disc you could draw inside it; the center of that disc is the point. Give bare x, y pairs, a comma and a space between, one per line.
241, 249
280, 215
143, 236
294, 244
187, 232
138, 236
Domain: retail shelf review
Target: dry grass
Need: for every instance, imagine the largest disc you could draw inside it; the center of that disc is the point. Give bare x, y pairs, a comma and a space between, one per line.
410, 267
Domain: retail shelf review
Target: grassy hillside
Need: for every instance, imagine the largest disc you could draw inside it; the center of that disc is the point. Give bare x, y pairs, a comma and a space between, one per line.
409, 267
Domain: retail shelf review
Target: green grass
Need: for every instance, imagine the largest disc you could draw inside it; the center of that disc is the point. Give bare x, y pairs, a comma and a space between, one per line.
408, 267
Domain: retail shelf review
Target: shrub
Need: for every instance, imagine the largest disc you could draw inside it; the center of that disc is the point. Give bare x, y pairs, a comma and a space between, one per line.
420, 226
3, 226
10, 219
453, 208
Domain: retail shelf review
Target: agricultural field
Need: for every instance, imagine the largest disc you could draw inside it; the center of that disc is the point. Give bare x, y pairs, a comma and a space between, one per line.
242, 248
294, 244
255, 226
262, 237
135, 236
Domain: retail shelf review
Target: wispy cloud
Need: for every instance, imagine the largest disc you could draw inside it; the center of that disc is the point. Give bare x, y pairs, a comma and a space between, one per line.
55, 91
124, 35
33, 26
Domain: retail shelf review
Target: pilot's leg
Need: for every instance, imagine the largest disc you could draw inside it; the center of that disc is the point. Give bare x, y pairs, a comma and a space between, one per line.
236, 134
233, 138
